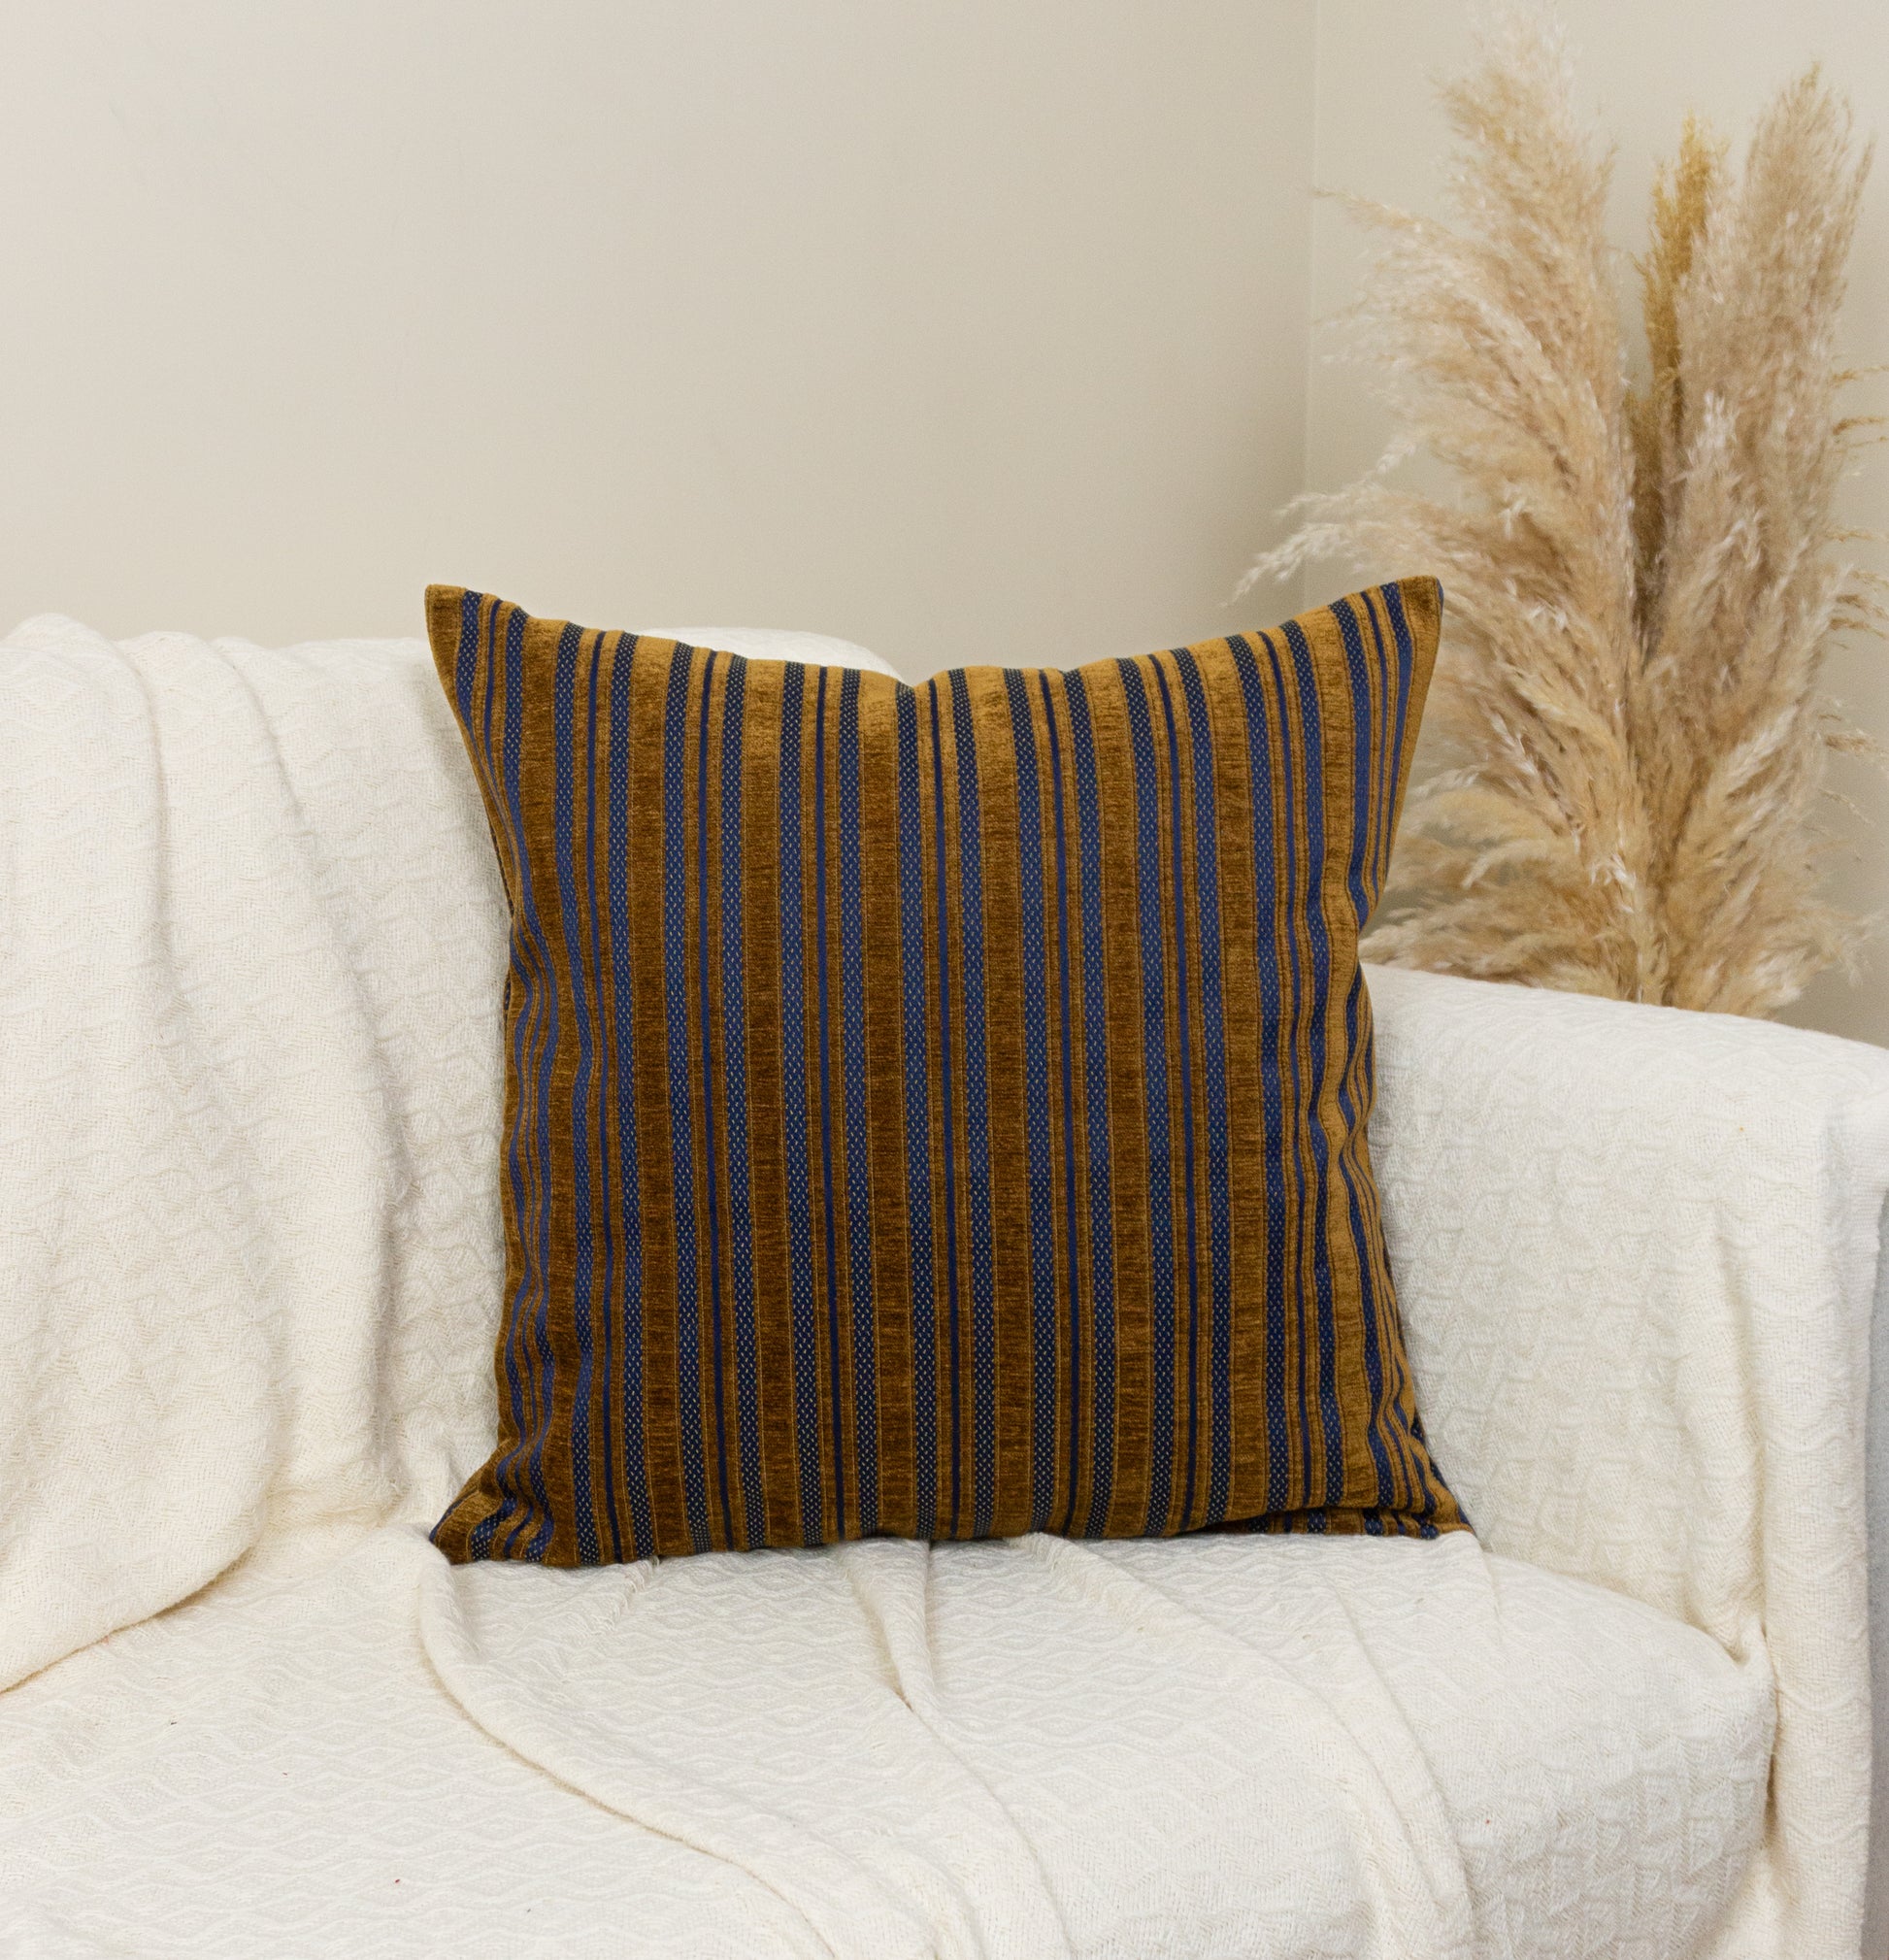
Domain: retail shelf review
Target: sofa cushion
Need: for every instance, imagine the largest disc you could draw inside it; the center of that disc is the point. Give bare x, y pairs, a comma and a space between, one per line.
939, 1112
1215, 1748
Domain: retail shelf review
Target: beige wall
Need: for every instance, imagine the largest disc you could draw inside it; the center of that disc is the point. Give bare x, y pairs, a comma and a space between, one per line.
1642, 67
966, 330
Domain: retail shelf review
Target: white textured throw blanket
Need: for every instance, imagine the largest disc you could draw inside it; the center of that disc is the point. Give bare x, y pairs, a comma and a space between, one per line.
249, 1280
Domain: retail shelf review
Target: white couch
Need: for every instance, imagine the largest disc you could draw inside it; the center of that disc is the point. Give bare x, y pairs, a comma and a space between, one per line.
250, 1089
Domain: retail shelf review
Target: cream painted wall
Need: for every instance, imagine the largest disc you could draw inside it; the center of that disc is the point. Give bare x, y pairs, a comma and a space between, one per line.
1642, 67
968, 331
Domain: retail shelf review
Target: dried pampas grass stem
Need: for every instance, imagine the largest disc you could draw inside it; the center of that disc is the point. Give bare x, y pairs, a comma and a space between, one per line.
1643, 584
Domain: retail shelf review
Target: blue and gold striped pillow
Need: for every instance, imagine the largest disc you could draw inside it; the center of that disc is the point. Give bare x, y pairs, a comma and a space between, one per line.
941, 1111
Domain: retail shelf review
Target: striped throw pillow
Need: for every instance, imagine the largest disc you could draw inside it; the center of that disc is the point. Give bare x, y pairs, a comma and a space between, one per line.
940, 1110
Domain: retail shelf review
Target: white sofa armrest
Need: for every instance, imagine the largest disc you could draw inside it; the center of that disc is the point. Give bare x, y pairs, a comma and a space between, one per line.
1636, 1251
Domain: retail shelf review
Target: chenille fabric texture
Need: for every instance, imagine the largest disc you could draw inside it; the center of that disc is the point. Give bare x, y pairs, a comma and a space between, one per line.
940, 1110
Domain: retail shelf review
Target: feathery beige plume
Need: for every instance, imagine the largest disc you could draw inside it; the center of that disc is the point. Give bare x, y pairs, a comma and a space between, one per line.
1641, 585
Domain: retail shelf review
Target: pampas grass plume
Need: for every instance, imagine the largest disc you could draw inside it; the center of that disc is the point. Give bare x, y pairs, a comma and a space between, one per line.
1630, 719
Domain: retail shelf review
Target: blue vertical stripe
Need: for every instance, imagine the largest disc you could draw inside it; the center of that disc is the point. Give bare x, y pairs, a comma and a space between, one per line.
1095, 1107
1330, 1416
1036, 1106
682, 1116
1158, 1122
916, 985
710, 1081
540, 1023
513, 1469
475, 628
829, 1210
1272, 894
1374, 696
1400, 626
947, 1101
465, 665
595, 919
1183, 1000
1290, 753
583, 1273
623, 1069
796, 1145
487, 720
516, 986
858, 1116
1071, 1239
977, 1107
1213, 1051
734, 1078
734, 1071
1388, 701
